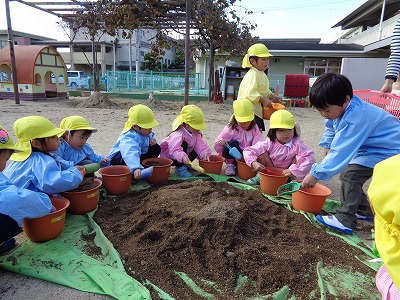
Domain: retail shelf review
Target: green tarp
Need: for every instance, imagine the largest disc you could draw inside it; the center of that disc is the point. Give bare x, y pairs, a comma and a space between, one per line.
84, 259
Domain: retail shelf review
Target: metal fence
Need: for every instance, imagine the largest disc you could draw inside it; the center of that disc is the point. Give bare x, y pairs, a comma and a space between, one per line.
126, 81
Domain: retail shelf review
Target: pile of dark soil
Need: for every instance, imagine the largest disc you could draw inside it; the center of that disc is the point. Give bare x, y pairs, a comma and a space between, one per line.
214, 231
98, 100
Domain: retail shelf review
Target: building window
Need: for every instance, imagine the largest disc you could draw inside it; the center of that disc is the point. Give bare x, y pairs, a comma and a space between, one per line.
38, 79
316, 68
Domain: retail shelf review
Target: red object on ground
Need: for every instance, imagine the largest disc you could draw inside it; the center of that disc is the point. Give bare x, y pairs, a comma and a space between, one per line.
218, 98
296, 85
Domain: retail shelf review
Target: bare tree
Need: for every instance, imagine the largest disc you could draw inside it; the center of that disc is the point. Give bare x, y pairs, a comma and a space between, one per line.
215, 25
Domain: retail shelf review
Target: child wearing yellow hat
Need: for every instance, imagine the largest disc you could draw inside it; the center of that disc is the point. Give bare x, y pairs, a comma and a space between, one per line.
137, 141
241, 132
74, 147
16, 204
255, 84
34, 167
384, 195
284, 148
185, 143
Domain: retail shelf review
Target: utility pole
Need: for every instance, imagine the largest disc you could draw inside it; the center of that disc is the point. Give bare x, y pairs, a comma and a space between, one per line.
12, 54
187, 57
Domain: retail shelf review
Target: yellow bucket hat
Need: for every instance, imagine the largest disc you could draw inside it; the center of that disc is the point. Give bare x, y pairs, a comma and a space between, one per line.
259, 50
191, 115
384, 195
281, 119
140, 115
6, 141
243, 110
30, 128
76, 123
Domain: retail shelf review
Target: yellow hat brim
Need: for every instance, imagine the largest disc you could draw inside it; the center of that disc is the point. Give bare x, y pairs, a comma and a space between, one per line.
129, 124
25, 149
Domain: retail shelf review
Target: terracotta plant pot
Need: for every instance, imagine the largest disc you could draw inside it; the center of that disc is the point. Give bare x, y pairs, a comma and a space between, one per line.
269, 183
50, 226
116, 179
214, 166
310, 200
244, 171
161, 169
83, 202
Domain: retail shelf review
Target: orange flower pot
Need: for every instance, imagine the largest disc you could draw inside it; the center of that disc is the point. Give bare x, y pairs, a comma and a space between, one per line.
50, 226
269, 183
310, 200
214, 166
116, 179
267, 111
161, 169
244, 171
84, 201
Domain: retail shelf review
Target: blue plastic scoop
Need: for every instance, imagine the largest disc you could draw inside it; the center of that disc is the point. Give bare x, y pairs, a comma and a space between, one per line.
146, 173
234, 152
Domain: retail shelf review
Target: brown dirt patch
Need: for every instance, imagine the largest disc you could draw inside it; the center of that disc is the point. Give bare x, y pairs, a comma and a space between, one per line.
216, 232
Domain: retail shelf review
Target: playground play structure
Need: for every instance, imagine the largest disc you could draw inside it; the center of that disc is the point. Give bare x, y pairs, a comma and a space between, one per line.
35, 66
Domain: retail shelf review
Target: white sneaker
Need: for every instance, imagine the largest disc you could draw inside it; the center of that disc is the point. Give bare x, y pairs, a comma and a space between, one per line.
254, 180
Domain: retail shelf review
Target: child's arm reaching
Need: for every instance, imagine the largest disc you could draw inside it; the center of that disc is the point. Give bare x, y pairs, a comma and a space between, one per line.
287, 173
257, 166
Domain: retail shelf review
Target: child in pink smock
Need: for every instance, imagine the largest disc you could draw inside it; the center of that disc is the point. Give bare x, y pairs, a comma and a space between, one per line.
284, 148
185, 143
241, 132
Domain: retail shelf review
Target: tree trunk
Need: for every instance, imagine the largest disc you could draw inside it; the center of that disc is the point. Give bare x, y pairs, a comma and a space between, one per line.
95, 88
211, 73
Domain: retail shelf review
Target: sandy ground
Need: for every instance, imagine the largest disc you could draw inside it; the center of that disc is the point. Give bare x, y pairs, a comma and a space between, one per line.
109, 121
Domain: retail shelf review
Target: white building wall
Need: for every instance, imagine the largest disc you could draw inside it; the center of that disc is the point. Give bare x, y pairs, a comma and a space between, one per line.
126, 51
